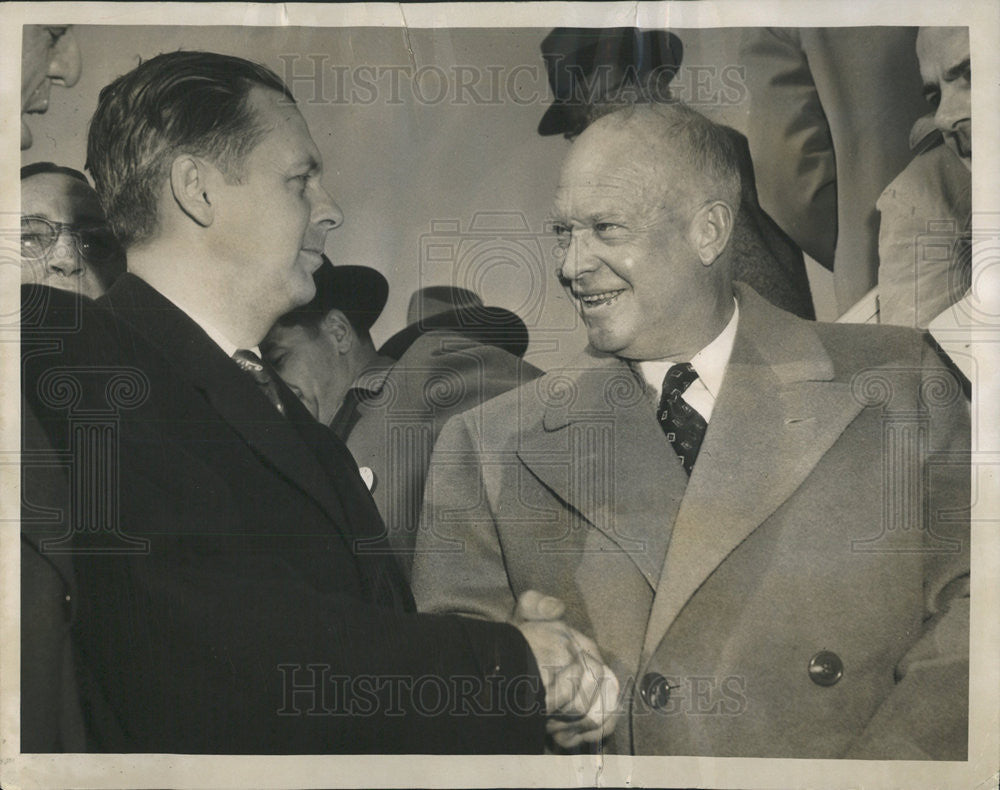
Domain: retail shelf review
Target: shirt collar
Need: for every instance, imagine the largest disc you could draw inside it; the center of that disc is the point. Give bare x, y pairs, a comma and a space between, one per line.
709, 363
215, 334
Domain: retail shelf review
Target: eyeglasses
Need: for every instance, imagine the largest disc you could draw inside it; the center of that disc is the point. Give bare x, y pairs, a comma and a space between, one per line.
95, 243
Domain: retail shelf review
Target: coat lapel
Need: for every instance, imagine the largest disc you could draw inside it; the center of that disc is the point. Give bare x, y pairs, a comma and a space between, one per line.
595, 447
778, 412
278, 441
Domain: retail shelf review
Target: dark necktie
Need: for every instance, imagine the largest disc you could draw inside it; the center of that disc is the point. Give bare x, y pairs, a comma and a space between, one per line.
251, 364
683, 425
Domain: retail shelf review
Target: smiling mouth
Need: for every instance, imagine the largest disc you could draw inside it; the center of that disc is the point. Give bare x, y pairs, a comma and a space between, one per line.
602, 299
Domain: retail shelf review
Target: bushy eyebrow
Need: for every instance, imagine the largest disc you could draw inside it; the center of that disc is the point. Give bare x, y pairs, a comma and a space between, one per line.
950, 75
308, 163
956, 71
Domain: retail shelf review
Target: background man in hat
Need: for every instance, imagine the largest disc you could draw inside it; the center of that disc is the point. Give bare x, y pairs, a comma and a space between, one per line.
234, 588
390, 405
763, 520
322, 348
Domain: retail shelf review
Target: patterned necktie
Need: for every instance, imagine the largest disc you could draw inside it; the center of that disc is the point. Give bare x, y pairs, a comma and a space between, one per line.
684, 426
251, 364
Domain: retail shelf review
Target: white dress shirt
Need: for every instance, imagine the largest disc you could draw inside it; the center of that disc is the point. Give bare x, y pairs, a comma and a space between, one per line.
710, 365
209, 328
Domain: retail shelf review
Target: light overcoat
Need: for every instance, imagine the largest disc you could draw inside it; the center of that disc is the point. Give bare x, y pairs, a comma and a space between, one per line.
804, 594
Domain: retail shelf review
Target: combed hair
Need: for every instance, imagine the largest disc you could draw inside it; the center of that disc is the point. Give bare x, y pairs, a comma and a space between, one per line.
40, 168
710, 150
191, 102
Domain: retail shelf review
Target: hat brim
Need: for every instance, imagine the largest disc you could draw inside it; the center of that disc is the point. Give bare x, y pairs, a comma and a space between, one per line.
557, 118
492, 326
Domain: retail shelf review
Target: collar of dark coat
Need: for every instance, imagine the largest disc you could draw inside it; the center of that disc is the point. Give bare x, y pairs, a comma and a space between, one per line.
785, 343
190, 354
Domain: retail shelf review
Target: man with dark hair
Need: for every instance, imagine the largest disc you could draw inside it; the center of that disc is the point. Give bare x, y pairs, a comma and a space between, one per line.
65, 241
390, 405
762, 520
235, 590
321, 348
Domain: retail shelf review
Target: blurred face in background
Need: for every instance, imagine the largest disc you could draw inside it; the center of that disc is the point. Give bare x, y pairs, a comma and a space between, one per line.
65, 241
49, 54
943, 53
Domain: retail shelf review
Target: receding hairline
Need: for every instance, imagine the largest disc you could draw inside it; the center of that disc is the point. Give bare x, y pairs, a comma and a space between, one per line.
636, 142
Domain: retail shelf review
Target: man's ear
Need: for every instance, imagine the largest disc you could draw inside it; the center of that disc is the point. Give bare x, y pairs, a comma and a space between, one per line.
336, 327
189, 185
710, 231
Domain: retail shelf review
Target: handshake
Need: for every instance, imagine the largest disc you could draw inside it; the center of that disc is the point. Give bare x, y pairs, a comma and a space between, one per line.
581, 692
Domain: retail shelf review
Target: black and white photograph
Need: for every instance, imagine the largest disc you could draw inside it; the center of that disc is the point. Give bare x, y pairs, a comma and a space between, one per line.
500, 395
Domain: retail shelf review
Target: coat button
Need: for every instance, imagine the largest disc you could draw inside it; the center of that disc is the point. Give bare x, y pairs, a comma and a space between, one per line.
825, 668
655, 690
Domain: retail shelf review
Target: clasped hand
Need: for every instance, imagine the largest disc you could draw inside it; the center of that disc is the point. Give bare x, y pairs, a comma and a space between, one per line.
581, 692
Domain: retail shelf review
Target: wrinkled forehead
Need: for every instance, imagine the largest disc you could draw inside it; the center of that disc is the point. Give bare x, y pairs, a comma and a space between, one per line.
61, 198
941, 48
612, 168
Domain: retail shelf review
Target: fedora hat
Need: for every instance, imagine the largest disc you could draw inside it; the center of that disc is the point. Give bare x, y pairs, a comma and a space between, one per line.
446, 307
359, 292
587, 66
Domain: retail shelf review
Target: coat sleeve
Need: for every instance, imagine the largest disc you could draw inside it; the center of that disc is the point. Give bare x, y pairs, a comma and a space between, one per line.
791, 142
199, 646
926, 714
459, 565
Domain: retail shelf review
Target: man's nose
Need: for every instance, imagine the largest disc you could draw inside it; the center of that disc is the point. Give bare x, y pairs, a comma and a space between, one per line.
954, 108
578, 259
64, 258
65, 64
325, 211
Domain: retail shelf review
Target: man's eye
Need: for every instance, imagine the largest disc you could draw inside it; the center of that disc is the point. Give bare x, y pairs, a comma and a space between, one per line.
933, 98
606, 227
563, 234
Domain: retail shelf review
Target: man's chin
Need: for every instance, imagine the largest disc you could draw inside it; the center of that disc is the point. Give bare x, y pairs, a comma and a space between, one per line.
305, 290
26, 138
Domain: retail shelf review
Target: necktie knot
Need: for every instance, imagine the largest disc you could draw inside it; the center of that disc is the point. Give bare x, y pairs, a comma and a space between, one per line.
253, 366
683, 426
